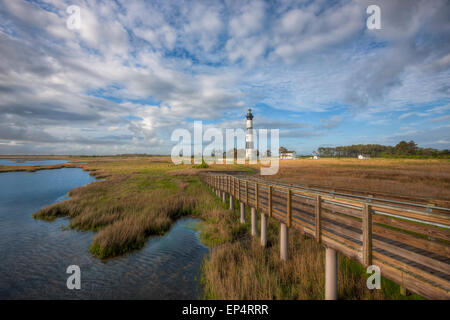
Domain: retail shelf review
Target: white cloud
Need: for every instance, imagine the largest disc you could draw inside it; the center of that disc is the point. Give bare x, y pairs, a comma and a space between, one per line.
66, 89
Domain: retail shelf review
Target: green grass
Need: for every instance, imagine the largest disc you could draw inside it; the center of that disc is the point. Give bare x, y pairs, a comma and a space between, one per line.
138, 199
143, 197
239, 268
203, 165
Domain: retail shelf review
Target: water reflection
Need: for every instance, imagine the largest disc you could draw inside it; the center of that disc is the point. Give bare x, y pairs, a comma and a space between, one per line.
35, 254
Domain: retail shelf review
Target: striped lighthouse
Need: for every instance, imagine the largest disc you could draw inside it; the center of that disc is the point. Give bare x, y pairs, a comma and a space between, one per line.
249, 144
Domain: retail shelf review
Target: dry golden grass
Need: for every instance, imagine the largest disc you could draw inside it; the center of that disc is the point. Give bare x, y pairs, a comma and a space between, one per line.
248, 271
412, 178
238, 267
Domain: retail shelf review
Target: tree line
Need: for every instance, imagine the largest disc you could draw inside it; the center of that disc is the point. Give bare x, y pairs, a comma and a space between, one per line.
402, 149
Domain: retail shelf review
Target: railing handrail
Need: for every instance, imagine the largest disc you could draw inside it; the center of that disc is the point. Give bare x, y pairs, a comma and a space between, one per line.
345, 195
402, 232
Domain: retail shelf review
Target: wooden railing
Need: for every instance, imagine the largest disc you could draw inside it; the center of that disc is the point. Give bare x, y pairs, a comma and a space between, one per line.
409, 245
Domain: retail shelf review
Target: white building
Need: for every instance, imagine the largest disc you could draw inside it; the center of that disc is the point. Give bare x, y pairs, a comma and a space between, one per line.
316, 157
250, 151
287, 155
361, 156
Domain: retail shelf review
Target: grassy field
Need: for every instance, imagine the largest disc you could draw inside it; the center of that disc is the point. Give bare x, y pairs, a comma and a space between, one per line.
238, 267
137, 198
408, 177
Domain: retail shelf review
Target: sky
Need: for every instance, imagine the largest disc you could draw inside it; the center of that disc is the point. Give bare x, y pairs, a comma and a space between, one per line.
134, 71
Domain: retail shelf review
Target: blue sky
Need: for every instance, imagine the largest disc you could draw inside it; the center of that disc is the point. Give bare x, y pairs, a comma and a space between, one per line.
137, 70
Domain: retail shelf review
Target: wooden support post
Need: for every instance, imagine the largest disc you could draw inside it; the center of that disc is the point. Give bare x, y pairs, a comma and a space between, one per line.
263, 229
331, 274
289, 208
318, 226
254, 221
367, 234
269, 201
231, 202
242, 212
224, 196
284, 241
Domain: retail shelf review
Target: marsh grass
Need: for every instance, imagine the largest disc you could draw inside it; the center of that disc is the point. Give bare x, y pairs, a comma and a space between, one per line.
408, 177
142, 197
137, 199
36, 168
237, 267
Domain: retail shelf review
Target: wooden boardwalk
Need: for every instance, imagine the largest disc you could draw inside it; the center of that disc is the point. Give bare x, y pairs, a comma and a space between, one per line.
409, 242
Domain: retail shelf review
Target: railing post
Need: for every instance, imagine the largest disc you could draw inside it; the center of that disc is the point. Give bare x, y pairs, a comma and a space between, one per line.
284, 241
239, 189
289, 208
331, 274
216, 186
246, 192
256, 195
242, 212
318, 224
254, 221
263, 229
234, 186
367, 234
269, 201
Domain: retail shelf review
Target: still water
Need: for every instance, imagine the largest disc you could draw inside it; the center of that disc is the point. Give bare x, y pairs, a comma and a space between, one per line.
35, 254
19, 162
